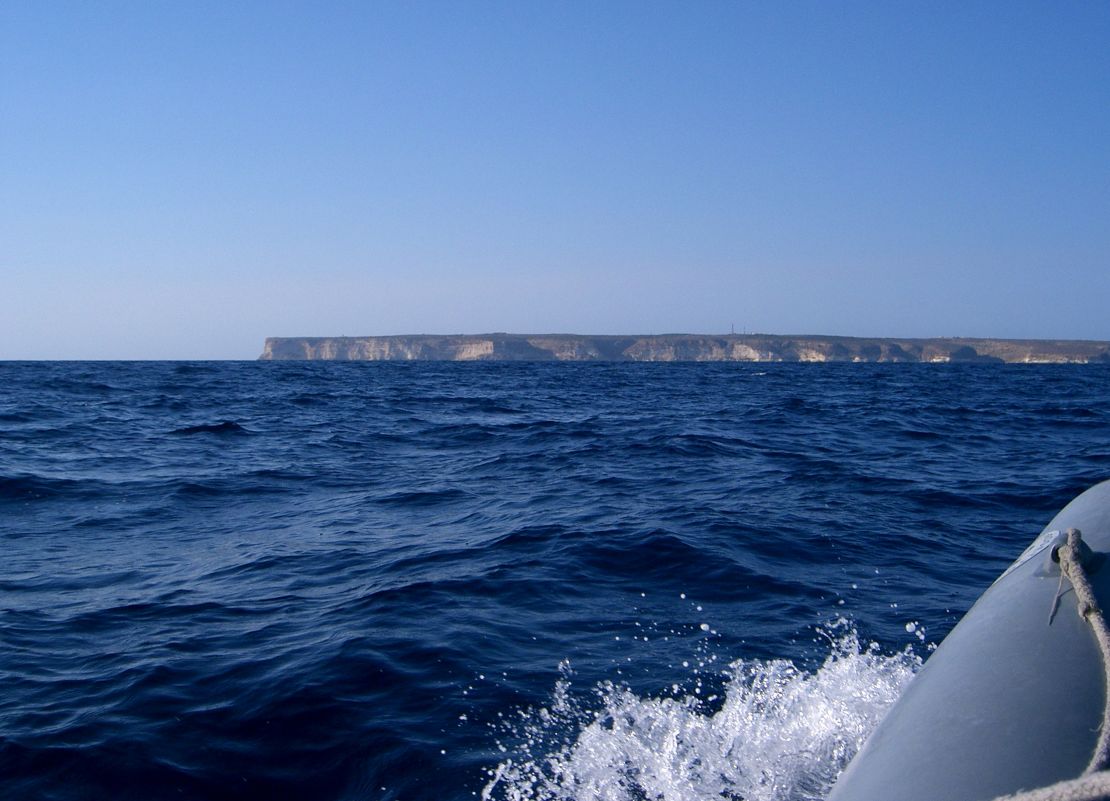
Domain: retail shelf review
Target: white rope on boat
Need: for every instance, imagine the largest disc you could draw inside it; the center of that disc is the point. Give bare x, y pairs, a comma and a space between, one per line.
1094, 784
1071, 563
1095, 787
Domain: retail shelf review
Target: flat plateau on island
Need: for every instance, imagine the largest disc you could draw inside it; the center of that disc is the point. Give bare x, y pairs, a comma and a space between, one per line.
683, 348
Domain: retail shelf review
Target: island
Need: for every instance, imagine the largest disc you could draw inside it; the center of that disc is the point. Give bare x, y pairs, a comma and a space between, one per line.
683, 348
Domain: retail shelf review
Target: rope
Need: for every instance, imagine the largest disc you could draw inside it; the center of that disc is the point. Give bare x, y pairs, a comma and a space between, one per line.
1071, 563
1094, 784
1095, 787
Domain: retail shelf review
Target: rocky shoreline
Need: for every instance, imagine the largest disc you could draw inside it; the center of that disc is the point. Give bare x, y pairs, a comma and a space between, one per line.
683, 348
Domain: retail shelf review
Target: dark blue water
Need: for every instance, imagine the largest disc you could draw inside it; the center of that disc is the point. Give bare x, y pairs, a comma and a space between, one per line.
437, 581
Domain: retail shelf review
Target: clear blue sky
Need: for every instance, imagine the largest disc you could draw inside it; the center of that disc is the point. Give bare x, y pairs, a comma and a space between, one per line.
182, 179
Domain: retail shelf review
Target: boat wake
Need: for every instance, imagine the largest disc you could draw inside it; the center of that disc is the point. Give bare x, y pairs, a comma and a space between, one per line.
775, 733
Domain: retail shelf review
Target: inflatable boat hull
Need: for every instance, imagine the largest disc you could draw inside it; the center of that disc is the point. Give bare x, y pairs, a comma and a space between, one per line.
1012, 699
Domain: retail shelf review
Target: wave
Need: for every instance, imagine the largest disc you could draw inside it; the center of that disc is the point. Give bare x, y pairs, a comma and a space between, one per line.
225, 427
30, 487
778, 733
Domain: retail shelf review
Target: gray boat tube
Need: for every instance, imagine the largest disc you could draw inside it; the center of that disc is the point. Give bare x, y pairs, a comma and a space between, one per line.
1012, 699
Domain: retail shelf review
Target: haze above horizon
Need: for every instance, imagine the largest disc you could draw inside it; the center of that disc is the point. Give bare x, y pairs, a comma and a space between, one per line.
183, 180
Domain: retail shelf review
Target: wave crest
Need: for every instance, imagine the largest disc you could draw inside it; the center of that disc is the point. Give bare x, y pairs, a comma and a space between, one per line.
780, 734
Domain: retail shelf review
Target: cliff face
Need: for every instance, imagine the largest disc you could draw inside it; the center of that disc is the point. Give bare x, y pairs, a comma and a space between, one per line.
682, 348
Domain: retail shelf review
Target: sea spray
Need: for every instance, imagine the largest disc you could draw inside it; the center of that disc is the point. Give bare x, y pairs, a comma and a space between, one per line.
778, 734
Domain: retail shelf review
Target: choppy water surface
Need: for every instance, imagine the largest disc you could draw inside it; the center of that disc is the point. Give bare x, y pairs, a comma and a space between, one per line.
509, 581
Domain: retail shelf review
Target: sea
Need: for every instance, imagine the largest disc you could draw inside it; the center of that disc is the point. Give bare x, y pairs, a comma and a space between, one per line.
501, 581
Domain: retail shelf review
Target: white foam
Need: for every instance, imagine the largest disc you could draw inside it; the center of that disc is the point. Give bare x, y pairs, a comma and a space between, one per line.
780, 734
